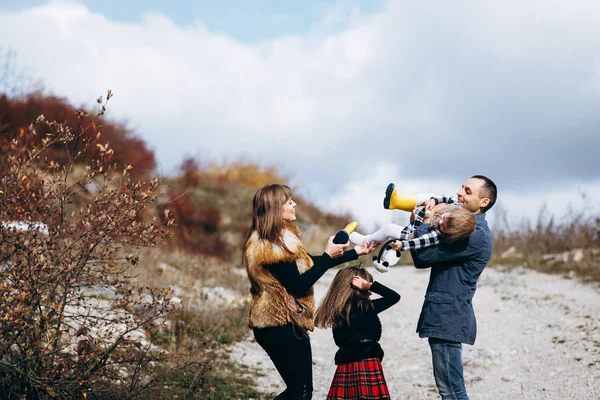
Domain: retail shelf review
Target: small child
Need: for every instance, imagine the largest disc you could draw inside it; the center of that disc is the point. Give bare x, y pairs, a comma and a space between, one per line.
449, 223
348, 309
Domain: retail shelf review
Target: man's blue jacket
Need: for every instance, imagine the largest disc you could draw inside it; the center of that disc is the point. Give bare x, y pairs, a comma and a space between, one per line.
447, 311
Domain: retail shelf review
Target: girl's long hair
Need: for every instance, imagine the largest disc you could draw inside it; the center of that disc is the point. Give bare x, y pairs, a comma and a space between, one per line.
267, 207
341, 297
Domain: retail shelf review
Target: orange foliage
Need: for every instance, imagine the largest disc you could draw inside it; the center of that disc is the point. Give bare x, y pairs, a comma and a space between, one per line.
197, 228
245, 173
17, 114
204, 196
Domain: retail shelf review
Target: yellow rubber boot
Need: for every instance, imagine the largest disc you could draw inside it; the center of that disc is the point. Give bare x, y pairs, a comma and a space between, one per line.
342, 236
351, 227
395, 201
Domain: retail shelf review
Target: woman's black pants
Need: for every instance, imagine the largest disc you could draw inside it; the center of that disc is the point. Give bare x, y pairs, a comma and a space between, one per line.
290, 351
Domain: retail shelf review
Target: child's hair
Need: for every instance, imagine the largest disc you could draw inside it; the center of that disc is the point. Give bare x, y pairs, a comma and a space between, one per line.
459, 222
341, 297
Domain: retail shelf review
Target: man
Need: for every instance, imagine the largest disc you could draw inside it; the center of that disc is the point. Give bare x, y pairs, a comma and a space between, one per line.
447, 317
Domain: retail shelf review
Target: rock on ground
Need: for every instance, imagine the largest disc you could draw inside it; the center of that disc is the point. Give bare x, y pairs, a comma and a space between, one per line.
538, 338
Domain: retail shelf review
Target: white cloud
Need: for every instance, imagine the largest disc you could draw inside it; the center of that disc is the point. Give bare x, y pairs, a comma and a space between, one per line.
363, 196
508, 89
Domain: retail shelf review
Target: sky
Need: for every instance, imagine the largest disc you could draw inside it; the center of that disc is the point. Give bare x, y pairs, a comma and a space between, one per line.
344, 96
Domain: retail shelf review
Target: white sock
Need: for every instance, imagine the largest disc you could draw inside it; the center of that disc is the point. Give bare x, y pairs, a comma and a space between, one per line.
357, 238
386, 232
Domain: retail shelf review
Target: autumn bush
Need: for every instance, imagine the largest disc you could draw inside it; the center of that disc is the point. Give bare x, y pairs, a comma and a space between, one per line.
73, 322
81, 315
197, 227
18, 113
211, 206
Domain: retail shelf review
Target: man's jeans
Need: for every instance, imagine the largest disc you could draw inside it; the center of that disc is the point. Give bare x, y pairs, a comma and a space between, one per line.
448, 369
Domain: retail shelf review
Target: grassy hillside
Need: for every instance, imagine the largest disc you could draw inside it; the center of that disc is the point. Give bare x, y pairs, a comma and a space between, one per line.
212, 207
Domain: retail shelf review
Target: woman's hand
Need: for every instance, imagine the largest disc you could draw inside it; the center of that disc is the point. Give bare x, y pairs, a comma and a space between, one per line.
397, 245
361, 284
335, 250
366, 248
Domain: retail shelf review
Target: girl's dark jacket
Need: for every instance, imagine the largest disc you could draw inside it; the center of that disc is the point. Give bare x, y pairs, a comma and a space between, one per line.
359, 339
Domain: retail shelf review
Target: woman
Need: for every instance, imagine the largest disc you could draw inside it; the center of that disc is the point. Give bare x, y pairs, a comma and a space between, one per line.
282, 275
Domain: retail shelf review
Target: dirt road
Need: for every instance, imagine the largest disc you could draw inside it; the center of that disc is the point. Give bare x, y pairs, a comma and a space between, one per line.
538, 338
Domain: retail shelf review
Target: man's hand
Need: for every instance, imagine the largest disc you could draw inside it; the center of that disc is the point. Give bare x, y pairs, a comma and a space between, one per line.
397, 245
429, 204
361, 284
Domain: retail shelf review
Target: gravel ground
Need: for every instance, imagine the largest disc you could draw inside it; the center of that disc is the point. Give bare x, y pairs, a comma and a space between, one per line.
538, 338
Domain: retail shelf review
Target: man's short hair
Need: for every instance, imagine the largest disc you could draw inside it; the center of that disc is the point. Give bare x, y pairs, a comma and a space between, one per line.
488, 189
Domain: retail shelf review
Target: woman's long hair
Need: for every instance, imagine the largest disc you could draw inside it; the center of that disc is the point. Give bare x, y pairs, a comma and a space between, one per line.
341, 297
267, 207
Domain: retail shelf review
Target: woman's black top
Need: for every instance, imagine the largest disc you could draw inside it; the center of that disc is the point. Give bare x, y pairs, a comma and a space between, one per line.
297, 284
360, 339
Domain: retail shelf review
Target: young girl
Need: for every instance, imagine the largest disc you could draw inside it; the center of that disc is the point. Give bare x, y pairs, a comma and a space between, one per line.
449, 223
348, 309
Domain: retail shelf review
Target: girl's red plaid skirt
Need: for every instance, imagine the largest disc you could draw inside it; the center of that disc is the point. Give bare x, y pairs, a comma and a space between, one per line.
359, 380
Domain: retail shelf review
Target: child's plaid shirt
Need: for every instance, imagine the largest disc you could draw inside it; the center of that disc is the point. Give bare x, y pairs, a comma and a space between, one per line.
431, 238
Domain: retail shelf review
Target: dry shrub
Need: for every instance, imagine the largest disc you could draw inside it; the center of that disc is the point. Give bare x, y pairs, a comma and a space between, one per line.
570, 244
74, 323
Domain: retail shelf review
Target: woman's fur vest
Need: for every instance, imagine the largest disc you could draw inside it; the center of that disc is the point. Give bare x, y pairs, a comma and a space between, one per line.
269, 298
